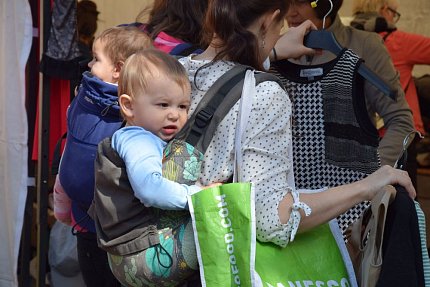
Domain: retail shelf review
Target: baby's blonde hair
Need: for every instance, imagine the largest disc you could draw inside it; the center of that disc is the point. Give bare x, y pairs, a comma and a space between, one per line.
140, 68
119, 43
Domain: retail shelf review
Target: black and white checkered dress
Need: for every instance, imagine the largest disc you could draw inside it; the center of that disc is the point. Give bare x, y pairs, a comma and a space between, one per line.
334, 141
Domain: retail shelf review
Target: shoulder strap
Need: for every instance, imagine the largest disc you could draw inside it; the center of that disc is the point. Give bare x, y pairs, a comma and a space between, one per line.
56, 158
185, 49
195, 129
215, 105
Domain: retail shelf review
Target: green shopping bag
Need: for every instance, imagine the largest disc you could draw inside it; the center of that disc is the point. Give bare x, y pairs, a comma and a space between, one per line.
229, 255
224, 234
312, 259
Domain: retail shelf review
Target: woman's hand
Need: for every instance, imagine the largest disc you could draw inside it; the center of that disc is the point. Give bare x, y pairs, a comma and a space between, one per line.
387, 175
290, 45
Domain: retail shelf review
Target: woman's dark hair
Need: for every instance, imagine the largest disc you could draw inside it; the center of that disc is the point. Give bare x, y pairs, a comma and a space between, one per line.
323, 6
229, 20
181, 19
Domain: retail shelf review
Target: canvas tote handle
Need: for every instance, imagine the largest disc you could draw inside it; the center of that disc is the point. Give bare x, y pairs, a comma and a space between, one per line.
245, 105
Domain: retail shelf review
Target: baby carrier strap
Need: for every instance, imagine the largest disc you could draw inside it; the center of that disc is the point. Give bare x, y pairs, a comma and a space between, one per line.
215, 105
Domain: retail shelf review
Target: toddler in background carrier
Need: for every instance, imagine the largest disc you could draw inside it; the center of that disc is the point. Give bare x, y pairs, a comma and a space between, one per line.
93, 115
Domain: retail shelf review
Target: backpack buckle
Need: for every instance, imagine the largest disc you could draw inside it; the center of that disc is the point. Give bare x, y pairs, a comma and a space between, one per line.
202, 118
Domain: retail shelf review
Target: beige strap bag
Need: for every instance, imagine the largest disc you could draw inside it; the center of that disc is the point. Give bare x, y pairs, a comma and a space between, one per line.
365, 237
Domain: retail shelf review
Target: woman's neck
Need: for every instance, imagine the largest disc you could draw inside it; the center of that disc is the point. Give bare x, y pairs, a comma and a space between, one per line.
211, 51
208, 54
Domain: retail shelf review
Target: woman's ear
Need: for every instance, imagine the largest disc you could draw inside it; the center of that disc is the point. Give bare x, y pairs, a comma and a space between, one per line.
270, 19
126, 106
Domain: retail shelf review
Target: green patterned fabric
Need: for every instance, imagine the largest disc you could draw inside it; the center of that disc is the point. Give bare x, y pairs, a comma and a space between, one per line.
182, 162
174, 260
167, 265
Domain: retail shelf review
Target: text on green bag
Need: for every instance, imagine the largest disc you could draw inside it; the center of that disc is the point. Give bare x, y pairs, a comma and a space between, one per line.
228, 237
309, 283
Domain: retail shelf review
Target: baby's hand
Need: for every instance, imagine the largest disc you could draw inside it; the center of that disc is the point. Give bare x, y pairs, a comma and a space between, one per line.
208, 186
213, 184
203, 187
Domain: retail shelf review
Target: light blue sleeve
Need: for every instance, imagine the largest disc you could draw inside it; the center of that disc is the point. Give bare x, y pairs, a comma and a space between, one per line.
142, 153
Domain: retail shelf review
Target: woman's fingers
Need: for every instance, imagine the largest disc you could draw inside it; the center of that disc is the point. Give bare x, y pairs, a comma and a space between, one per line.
388, 175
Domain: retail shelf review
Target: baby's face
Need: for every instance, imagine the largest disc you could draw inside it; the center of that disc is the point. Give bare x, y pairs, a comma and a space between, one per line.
162, 109
101, 66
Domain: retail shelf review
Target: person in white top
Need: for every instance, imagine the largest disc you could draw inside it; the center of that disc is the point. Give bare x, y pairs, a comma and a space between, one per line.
245, 32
